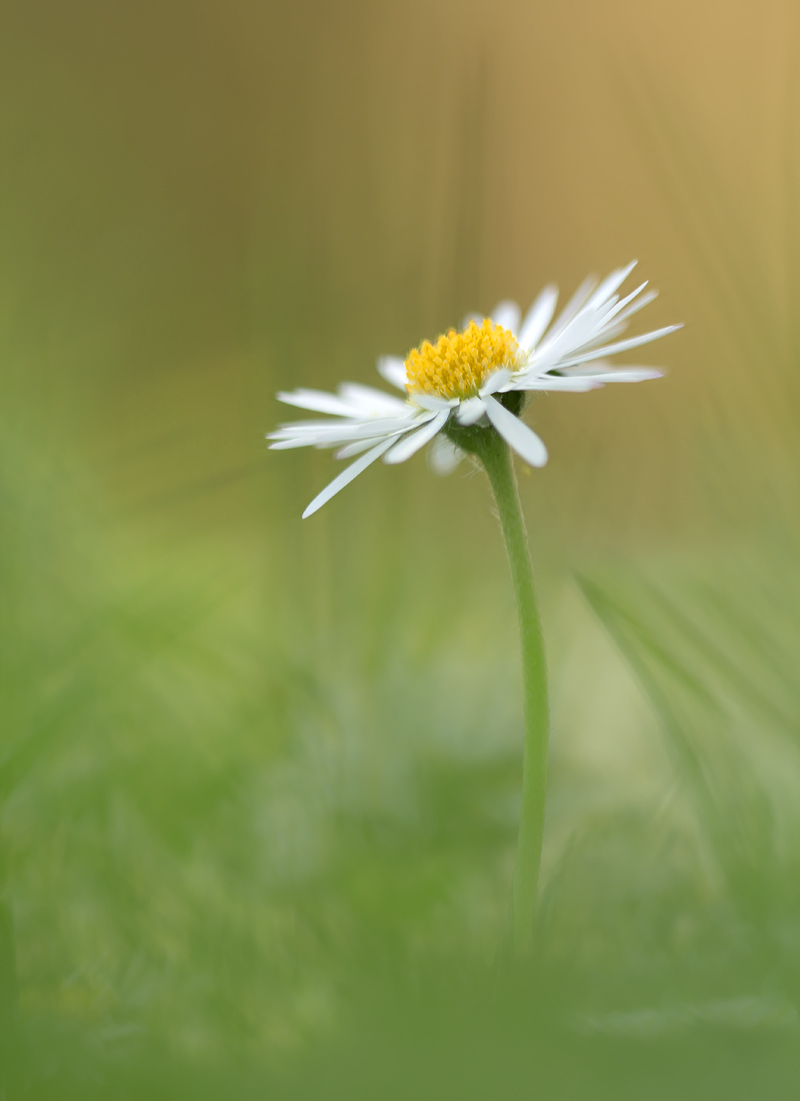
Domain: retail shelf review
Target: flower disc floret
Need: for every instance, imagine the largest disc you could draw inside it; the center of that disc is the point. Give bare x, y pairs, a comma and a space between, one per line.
458, 364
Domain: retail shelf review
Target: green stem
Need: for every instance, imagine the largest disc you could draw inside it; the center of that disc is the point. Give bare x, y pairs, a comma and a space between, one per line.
497, 460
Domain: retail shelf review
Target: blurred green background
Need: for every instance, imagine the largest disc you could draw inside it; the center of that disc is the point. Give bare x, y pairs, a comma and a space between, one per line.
259, 777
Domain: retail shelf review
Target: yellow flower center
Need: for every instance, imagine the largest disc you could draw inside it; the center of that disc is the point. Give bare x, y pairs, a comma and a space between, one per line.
458, 364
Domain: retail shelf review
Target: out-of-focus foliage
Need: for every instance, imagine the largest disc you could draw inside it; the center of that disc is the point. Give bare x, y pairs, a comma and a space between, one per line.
251, 843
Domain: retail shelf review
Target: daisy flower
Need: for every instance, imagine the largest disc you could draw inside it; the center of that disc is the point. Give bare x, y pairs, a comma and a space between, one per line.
475, 380
466, 393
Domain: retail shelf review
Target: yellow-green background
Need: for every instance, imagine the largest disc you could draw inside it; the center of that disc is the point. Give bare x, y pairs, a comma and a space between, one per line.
259, 773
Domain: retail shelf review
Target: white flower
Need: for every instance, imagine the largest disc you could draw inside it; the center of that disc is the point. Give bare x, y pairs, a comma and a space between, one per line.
458, 380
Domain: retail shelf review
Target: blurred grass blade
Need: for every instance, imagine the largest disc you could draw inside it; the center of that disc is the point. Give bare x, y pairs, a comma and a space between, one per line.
637, 643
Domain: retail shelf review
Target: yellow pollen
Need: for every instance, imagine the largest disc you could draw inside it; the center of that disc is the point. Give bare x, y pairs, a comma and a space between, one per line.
458, 364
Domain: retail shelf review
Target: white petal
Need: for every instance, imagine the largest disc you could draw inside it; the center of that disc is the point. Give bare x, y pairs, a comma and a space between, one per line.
554, 383
605, 332
369, 400
284, 444
619, 374
356, 448
621, 346
516, 434
498, 380
432, 403
317, 401
609, 285
572, 307
355, 427
347, 476
336, 433
645, 300
444, 456
393, 369
584, 328
506, 315
620, 305
306, 428
564, 338
411, 443
470, 411
538, 318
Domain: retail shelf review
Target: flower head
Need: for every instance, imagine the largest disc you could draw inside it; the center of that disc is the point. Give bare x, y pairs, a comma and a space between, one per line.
476, 378
458, 364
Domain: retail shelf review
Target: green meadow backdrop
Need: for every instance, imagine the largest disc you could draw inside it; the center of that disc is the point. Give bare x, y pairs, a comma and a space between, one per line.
259, 777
